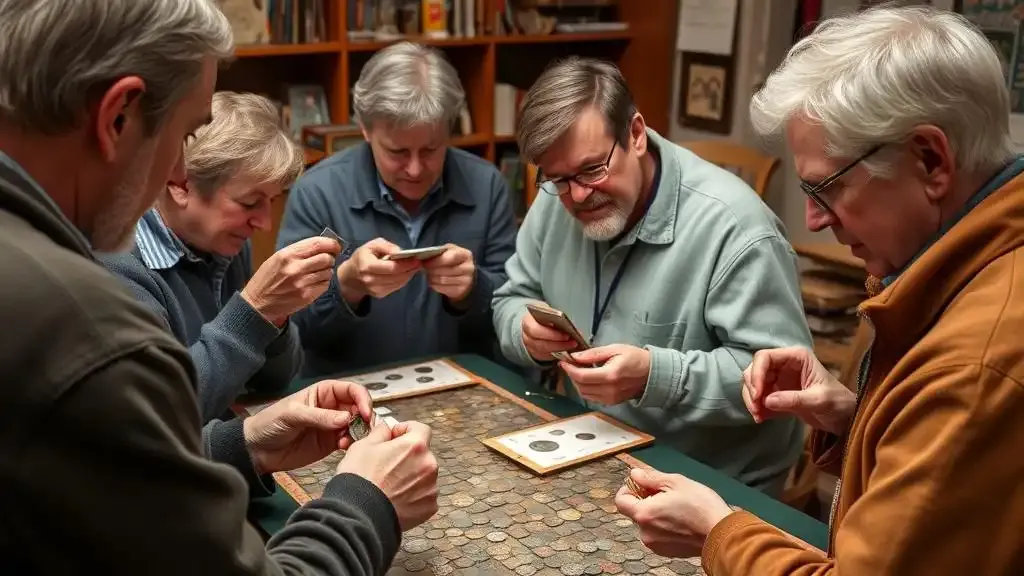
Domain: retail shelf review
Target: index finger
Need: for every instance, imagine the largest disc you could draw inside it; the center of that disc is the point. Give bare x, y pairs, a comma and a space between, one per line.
314, 245
380, 267
334, 393
586, 375
538, 331
381, 247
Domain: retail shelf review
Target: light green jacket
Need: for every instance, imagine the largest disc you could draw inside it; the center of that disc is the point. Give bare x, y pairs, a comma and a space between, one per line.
711, 280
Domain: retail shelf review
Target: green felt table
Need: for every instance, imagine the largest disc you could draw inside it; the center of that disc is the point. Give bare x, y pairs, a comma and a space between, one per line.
272, 513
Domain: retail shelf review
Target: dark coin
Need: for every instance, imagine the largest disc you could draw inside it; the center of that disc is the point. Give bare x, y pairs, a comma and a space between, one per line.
424, 379
393, 377
358, 429
544, 446
585, 436
415, 565
557, 432
424, 369
376, 386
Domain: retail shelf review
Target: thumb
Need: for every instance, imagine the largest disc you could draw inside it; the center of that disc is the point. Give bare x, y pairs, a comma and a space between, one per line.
303, 416
379, 434
650, 479
592, 355
789, 400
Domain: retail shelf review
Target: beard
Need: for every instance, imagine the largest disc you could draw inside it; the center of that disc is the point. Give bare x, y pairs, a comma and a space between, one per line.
114, 228
608, 227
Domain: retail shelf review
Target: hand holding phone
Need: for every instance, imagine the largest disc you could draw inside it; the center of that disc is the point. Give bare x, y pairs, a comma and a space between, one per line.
548, 333
417, 253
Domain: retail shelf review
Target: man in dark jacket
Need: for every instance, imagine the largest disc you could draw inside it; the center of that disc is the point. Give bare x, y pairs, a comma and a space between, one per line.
104, 466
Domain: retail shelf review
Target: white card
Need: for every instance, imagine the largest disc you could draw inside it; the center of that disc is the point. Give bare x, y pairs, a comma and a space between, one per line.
565, 440
409, 380
382, 410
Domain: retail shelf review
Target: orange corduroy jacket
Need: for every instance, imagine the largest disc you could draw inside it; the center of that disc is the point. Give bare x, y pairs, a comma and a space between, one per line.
932, 467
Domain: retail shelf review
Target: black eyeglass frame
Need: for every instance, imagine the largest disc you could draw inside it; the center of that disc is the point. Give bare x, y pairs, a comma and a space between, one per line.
558, 183
814, 190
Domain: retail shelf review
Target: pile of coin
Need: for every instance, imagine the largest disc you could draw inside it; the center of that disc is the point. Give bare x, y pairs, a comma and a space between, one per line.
635, 488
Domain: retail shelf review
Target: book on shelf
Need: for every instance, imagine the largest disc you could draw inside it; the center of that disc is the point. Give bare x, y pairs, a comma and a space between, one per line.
276, 21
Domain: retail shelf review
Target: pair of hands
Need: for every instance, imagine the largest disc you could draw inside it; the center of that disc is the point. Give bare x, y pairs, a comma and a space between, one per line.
451, 274
608, 375
312, 423
677, 518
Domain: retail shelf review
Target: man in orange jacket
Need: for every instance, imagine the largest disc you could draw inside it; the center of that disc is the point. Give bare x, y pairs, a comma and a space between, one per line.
898, 121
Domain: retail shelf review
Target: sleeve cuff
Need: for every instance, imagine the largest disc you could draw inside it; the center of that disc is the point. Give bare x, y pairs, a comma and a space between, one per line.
664, 379
242, 321
280, 344
359, 492
362, 310
226, 445
717, 539
477, 302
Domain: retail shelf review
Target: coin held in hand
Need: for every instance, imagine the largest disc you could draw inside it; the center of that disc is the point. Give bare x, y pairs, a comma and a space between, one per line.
358, 429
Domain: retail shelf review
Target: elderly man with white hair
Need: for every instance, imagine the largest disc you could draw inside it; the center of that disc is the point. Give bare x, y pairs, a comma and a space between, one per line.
403, 188
898, 121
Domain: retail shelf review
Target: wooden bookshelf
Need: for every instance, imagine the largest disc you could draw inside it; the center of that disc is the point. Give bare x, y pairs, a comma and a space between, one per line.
643, 52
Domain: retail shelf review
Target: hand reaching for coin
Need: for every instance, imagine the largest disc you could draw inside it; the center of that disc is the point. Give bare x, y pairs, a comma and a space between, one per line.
398, 461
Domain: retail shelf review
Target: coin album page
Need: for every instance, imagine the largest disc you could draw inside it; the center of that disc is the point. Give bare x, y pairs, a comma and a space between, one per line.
568, 440
411, 380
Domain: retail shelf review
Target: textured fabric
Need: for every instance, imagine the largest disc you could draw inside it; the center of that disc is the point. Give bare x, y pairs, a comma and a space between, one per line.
471, 209
100, 433
234, 349
930, 479
710, 280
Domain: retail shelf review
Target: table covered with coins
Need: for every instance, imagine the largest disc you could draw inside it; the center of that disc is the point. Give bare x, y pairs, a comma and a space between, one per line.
497, 517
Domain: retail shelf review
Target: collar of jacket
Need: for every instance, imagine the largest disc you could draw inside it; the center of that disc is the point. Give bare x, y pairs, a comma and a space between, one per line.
27, 200
904, 310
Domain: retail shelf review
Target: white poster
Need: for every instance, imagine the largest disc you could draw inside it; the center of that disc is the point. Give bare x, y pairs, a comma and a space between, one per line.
707, 26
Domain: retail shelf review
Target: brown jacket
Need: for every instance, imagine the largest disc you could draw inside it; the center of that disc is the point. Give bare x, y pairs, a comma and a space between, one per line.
933, 480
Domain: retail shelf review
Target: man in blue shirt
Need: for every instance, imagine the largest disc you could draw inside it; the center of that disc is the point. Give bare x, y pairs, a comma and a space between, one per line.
403, 188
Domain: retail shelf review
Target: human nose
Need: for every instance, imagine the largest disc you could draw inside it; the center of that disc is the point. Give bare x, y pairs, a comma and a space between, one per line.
260, 218
415, 167
817, 218
578, 192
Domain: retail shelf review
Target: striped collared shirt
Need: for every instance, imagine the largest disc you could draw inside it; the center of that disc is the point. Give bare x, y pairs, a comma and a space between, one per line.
161, 249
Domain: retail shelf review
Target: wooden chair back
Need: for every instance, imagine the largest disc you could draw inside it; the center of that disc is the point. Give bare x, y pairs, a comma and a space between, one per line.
753, 166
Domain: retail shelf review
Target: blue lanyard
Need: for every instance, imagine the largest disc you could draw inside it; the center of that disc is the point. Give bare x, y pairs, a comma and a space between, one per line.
600, 307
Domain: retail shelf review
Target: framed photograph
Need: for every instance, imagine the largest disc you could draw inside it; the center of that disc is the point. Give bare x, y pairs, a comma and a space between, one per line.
705, 92
559, 444
307, 106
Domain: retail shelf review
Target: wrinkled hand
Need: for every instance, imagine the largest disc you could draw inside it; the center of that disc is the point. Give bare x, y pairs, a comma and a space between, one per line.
677, 518
306, 426
452, 273
400, 463
610, 374
541, 341
292, 278
792, 381
366, 274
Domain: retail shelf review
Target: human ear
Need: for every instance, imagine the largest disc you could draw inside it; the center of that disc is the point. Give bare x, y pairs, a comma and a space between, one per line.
117, 117
934, 160
638, 134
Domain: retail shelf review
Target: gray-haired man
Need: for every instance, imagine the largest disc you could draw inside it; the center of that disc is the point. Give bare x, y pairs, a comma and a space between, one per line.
103, 466
673, 267
403, 188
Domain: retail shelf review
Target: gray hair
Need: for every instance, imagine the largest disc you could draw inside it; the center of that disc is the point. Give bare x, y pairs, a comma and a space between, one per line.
869, 78
406, 85
563, 91
245, 137
58, 55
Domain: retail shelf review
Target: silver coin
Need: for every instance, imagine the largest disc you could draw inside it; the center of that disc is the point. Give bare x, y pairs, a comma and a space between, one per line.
544, 446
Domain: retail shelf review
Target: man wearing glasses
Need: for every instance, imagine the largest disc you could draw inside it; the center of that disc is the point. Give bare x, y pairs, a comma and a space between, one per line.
671, 267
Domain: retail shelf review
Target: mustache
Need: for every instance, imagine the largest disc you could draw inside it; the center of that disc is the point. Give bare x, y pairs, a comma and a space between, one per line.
593, 201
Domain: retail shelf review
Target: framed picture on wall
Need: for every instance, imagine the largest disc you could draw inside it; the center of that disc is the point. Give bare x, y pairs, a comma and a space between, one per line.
705, 92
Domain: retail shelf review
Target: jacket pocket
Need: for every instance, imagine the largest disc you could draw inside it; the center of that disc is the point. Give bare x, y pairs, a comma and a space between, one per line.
655, 333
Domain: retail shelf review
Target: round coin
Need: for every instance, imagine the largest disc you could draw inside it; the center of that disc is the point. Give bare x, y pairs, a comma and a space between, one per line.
557, 432
424, 379
543, 446
423, 369
586, 547
585, 436
415, 546
415, 565
573, 569
393, 377
376, 385
498, 536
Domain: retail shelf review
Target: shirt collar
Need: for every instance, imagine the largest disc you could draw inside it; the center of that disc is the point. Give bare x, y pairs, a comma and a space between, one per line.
388, 196
160, 248
1009, 172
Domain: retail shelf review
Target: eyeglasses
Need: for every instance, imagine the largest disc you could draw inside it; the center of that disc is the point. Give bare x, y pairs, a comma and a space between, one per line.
815, 190
586, 178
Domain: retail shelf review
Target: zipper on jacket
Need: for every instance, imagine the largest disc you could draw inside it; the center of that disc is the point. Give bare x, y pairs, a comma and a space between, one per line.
862, 373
